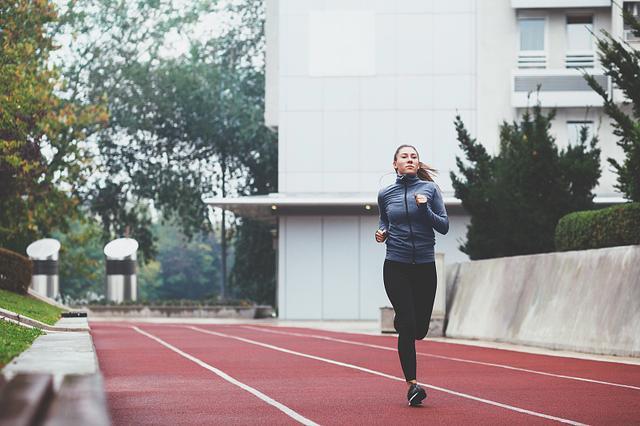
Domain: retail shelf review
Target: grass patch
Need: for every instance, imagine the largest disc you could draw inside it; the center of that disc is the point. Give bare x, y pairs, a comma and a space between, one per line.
30, 307
14, 339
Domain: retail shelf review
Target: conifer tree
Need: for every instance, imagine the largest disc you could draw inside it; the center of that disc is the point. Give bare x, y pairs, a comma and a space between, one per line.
474, 189
621, 62
516, 198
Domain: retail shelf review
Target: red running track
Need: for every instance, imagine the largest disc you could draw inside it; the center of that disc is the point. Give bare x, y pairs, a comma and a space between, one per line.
212, 374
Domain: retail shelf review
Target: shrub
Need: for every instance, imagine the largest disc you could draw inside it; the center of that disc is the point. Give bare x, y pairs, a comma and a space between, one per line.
614, 226
15, 271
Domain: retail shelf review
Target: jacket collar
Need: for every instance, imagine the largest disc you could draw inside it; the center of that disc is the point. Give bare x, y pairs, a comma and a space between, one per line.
407, 178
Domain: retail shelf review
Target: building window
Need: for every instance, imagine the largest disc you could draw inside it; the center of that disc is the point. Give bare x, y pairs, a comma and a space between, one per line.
579, 29
532, 43
531, 34
574, 131
632, 7
579, 41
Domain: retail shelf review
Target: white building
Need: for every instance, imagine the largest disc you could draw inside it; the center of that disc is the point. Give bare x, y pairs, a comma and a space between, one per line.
350, 80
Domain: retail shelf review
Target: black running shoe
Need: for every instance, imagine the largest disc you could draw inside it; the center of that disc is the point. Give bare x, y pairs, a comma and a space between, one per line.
415, 395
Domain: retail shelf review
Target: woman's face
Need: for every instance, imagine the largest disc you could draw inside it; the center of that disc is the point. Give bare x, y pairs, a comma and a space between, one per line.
406, 161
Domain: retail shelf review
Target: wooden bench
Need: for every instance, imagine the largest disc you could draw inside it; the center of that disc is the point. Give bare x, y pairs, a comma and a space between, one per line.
30, 399
24, 399
81, 401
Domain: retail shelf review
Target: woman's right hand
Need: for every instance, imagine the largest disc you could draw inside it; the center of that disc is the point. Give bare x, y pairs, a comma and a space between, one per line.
381, 235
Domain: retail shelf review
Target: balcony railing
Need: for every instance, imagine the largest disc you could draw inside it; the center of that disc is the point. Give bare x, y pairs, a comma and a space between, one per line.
579, 60
630, 35
562, 88
548, 4
532, 60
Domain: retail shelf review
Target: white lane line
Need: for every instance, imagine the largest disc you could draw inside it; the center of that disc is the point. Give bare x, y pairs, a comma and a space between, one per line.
488, 364
388, 376
288, 411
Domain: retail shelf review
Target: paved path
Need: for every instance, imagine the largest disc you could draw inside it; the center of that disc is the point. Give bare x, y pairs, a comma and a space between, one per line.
57, 353
248, 374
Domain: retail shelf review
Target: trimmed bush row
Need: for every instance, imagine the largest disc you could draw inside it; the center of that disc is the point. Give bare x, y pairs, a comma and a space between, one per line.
614, 226
15, 271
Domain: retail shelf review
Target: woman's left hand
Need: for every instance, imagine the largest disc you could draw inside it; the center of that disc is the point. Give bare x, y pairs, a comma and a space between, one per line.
421, 199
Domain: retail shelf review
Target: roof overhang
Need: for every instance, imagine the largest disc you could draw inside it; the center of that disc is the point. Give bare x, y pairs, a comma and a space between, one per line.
269, 207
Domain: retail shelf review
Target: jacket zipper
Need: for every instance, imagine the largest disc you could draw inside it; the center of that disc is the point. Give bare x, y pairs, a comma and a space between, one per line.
406, 209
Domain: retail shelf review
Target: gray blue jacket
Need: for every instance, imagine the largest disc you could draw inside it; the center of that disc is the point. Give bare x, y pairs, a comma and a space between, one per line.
410, 236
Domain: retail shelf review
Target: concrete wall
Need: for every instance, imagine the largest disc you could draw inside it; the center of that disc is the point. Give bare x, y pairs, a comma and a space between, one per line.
497, 46
271, 87
449, 244
587, 301
330, 267
356, 78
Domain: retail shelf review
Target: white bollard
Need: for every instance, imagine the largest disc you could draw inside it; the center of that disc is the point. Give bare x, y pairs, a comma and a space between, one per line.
121, 282
44, 256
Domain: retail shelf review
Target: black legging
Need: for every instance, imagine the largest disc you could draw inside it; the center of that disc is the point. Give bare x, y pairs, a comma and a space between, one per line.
411, 289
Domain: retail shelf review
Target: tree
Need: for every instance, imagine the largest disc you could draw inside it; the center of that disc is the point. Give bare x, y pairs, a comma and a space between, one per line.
476, 188
622, 63
197, 122
184, 267
106, 43
254, 272
182, 128
253, 276
81, 259
516, 198
149, 281
42, 157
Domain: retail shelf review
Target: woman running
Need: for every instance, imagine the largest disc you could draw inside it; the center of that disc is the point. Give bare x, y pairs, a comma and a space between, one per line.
410, 210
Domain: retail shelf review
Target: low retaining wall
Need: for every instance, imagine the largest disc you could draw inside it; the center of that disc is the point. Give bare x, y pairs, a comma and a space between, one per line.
587, 301
97, 311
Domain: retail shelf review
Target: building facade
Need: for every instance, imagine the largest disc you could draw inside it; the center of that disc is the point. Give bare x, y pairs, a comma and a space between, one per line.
347, 81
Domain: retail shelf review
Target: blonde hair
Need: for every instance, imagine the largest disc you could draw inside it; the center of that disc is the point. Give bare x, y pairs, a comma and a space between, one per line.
425, 172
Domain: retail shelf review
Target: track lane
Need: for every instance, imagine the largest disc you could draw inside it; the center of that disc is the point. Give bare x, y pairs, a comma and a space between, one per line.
581, 401
612, 372
488, 357
146, 383
289, 412
142, 395
330, 394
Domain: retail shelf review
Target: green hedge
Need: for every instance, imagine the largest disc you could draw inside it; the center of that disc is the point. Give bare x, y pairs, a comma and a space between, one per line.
614, 226
15, 271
